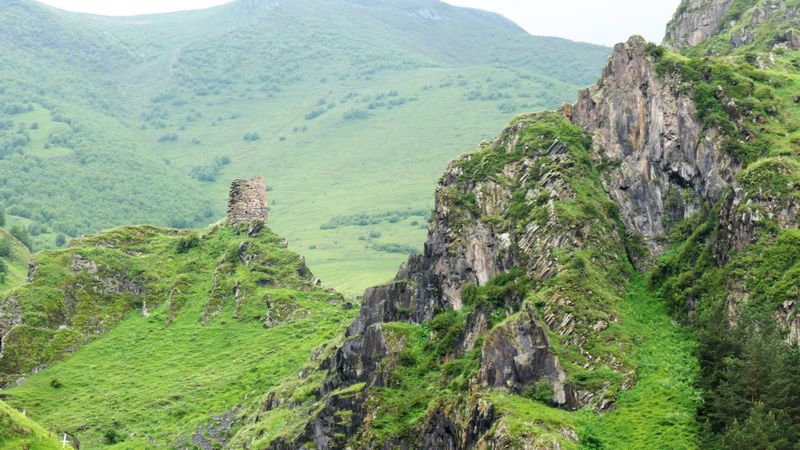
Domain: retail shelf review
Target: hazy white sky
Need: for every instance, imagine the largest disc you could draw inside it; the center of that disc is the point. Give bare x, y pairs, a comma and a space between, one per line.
598, 21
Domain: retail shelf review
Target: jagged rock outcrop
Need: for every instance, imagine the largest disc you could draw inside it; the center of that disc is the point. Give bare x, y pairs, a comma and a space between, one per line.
723, 26
517, 355
10, 315
669, 166
696, 21
768, 197
525, 209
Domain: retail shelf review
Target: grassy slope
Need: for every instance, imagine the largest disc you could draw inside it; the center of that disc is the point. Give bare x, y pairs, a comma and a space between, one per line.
255, 72
16, 262
658, 412
155, 380
19, 432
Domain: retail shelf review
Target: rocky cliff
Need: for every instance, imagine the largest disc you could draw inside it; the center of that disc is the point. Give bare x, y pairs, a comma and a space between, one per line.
721, 27
531, 244
669, 165
520, 283
696, 21
524, 323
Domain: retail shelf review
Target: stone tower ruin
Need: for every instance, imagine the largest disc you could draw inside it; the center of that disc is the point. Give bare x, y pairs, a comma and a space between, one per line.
247, 201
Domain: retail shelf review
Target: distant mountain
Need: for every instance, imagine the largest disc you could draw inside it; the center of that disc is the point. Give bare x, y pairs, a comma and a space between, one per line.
348, 107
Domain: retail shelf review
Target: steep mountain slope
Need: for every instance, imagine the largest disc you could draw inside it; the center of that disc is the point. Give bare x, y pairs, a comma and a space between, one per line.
514, 309
689, 171
327, 98
623, 273
14, 257
159, 331
734, 270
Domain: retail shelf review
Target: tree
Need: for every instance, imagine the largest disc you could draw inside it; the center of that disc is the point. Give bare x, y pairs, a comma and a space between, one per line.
762, 429
2, 218
5, 247
22, 235
60, 240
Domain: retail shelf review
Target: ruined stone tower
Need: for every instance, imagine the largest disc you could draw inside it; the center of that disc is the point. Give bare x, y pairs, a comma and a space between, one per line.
247, 201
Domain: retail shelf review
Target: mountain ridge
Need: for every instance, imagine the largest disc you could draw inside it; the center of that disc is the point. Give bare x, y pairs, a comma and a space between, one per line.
620, 273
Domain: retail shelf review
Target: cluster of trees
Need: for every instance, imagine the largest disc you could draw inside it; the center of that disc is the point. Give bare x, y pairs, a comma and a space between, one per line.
394, 248
13, 140
751, 380
363, 219
251, 137
209, 172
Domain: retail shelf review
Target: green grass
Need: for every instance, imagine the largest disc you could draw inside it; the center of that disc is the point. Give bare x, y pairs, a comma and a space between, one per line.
160, 384
432, 90
18, 432
16, 262
155, 380
659, 411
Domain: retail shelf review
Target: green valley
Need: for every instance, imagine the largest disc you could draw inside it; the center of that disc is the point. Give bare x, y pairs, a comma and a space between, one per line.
619, 272
159, 112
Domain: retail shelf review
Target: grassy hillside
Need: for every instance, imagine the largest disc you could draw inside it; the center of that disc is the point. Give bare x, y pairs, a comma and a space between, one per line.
157, 113
14, 257
19, 432
181, 326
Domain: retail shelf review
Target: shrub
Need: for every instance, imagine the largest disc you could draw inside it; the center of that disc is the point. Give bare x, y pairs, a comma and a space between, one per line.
22, 235
112, 437
356, 114
187, 243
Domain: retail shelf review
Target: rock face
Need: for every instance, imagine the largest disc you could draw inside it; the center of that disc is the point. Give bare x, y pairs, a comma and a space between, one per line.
247, 201
10, 315
669, 166
696, 21
517, 355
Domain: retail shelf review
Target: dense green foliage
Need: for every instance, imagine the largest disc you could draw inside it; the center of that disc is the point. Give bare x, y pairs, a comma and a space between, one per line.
749, 376
175, 325
738, 309
326, 99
